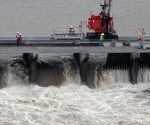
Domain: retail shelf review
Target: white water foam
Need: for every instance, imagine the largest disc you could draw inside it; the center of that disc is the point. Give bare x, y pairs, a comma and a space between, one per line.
120, 75
144, 75
75, 105
71, 75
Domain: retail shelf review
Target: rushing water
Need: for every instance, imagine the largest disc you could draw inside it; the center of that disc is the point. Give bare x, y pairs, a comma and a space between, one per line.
115, 101
75, 105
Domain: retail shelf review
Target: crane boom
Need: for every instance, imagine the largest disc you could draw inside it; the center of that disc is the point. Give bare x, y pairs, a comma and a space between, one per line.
106, 7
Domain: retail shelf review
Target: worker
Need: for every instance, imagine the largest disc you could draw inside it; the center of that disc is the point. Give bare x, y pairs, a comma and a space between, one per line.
71, 30
110, 26
101, 39
140, 41
19, 39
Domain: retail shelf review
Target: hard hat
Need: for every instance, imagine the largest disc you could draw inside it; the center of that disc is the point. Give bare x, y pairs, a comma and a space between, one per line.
71, 26
17, 32
102, 34
140, 34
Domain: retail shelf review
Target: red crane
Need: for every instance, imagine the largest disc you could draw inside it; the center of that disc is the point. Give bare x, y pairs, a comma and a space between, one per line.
102, 23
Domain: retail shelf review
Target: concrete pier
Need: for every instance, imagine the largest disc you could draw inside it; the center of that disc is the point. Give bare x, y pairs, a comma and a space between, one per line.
31, 61
81, 59
133, 68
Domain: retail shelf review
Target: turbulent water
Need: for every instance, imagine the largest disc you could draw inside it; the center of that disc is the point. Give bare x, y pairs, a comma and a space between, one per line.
114, 101
75, 105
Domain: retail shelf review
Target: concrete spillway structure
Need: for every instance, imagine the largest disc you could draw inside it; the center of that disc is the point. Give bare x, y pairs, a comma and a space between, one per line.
122, 56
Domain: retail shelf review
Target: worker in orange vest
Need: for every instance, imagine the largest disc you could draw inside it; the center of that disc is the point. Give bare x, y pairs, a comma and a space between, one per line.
110, 26
19, 39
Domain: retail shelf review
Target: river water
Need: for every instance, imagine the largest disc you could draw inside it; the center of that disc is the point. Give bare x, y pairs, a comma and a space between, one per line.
114, 101
38, 18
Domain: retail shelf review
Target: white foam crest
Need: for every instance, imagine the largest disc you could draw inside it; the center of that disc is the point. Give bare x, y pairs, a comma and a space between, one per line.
104, 79
71, 75
144, 75
17, 75
120, 75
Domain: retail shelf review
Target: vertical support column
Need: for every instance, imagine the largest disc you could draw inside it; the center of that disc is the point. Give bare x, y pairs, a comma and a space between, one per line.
134, 67
82, 59
31, 62
3, 77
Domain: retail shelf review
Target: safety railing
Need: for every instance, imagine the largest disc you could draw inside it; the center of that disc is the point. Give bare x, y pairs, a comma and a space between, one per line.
63, 32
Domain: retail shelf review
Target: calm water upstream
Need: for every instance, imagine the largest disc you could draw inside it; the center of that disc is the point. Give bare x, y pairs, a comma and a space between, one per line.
115, 102
38, 17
